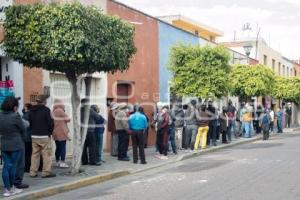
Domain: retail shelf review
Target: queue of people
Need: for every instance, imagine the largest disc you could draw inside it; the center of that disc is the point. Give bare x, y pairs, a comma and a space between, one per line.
26, 141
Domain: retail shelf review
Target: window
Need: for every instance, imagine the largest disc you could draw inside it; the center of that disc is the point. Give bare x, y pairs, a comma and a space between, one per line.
273, 64
279, 68
265, 60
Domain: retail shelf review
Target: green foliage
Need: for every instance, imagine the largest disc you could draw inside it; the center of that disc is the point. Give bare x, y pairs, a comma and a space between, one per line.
287, 89
251, 80
199, 71
68, 37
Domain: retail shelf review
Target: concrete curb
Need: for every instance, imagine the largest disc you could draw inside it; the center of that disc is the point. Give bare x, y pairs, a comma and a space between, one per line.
50, 191
214, 149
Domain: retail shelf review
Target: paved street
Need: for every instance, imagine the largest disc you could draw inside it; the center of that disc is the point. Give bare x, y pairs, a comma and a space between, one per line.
261, 170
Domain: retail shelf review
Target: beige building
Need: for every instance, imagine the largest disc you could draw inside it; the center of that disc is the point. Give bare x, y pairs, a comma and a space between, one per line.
266, 55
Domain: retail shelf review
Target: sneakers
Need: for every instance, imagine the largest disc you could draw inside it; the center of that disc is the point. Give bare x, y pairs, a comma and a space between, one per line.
162, 157
63, 165
7, 193
58, 163
15, 191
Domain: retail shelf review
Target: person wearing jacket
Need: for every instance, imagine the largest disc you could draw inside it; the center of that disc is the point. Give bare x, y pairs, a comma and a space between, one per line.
24, 162
162, 132
28, 142
146, 131
41, 125
203, 123
213, 122
178, 114
12, 132
111, 127
191, 125
247, 119
99, 131
122, 127
279, 115
89, 153
224, 120
60, 132
137, 125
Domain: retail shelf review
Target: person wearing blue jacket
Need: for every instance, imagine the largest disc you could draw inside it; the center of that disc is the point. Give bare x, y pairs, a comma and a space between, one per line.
99, 131
137, 125
279, 116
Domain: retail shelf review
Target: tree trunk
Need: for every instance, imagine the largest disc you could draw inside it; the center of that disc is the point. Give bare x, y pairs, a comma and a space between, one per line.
80, 129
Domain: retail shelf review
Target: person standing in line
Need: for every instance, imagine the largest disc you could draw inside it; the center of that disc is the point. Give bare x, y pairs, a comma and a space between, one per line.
259, 112
191, 125
171, 133
265, 123
178, 114
162, 132
41, 125
155, 115
185, 108
60, 132
21, 164
279, 116
289, 115
89, 153
224, 126
247, 118
272, 118
112, 129
146, 131
137, 125
99, 131
12, 132
203, 123
122, 127
212, 133
28, 142
231, 114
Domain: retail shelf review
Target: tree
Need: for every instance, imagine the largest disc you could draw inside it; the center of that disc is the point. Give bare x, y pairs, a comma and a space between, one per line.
251, 80
72, 39
287, 89
199, 71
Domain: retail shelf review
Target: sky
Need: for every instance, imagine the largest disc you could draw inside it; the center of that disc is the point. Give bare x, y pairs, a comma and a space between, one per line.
277, 20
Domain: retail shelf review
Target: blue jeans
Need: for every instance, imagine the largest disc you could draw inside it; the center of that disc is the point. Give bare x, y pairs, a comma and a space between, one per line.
231, 129
172, 139
60, 152
279, 126
247, 126
99, 146
10, 159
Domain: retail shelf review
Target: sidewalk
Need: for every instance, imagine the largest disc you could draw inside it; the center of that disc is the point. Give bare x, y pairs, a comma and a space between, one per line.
112, 168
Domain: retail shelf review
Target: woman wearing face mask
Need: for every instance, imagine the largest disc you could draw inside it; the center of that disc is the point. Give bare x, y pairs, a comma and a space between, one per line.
12, 132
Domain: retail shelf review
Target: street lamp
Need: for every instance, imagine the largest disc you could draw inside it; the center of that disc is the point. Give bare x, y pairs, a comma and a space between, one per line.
247, 49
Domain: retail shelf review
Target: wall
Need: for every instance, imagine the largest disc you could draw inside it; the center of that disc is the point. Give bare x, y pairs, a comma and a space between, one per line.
168, 37
143, 71
13, 70
289, 67
33, 84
